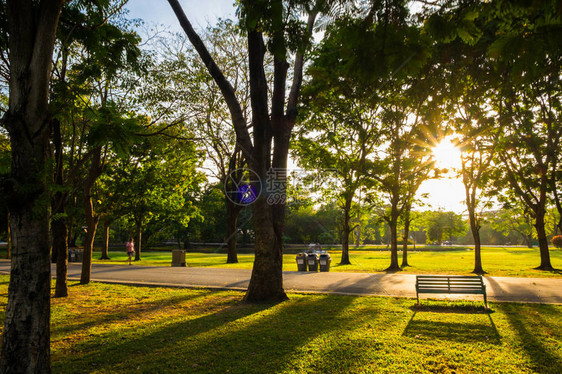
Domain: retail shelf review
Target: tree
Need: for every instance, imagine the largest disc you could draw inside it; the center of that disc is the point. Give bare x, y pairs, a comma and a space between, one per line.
200, 102
442, 226
468, 83
94, 47
271, 127
528, 105
514, 217
337, 140
153, 182
362, 107
25, 343
476, 138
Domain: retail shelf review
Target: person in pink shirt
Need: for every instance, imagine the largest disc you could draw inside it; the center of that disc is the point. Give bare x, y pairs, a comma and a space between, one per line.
131, 249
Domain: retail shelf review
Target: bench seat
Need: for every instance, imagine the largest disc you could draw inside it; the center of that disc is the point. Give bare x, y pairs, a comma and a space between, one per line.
450, 284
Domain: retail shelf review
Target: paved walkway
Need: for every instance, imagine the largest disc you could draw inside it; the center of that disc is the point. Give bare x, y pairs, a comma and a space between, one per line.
504, 289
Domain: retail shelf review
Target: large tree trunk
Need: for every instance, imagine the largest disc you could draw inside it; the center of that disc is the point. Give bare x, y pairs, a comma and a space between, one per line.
266, 282
26, 335
91, 219
25, 346
543, 241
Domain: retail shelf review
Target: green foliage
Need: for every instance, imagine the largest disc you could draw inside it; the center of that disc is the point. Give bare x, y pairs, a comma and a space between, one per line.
442, 226
107, 44
210, 225
446, 26
109, 125
281, 21
154, 182
309, 225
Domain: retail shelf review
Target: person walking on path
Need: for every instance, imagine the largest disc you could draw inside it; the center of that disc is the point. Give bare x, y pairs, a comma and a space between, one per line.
131, 249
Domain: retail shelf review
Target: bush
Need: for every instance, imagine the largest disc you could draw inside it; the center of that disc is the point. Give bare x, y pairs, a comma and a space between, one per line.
557, 241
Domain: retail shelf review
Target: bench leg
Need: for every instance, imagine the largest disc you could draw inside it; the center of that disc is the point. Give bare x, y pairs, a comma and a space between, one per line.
486, 301
418, 298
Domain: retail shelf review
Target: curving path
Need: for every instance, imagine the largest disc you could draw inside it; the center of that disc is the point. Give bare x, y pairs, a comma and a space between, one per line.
503, 289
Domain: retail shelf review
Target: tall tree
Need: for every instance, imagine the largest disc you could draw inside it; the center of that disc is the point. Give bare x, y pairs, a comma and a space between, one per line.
513, 217
25, 343
358, 74
266, 150
442, 226
199, 102
338, 134
153, 182
528, 104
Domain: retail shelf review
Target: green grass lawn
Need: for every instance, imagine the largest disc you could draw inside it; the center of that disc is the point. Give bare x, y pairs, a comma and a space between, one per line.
497, 261
103, 328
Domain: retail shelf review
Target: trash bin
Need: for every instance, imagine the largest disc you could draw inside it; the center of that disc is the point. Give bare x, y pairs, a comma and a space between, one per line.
301, 262
324, 261
178, 257
312, 261
79, 255
71, 255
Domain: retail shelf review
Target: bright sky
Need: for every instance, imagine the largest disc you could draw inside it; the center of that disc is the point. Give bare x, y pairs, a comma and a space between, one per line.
199, 12
447, 194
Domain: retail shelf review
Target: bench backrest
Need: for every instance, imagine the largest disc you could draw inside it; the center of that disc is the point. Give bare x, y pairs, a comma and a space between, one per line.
449, 283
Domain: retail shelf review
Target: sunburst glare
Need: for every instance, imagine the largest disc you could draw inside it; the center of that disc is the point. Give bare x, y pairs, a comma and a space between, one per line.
447, 155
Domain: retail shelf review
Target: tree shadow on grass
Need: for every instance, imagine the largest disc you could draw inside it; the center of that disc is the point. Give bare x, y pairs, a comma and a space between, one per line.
238, 338
451, 308
529, 327
471, 329
457, 332
85, 320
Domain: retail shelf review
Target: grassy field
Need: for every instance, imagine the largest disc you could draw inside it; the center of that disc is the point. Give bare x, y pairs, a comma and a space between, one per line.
497, 261
104, 328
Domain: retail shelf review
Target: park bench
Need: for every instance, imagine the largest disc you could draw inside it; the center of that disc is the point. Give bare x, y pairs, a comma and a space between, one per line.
450, 284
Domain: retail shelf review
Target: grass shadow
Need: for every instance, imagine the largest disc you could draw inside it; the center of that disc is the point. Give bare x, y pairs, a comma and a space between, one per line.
452, 308
252, 332
84, 320
528, 327
460, 332
469, 328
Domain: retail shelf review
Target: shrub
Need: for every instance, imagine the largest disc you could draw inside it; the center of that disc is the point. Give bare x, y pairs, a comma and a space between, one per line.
557, 241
